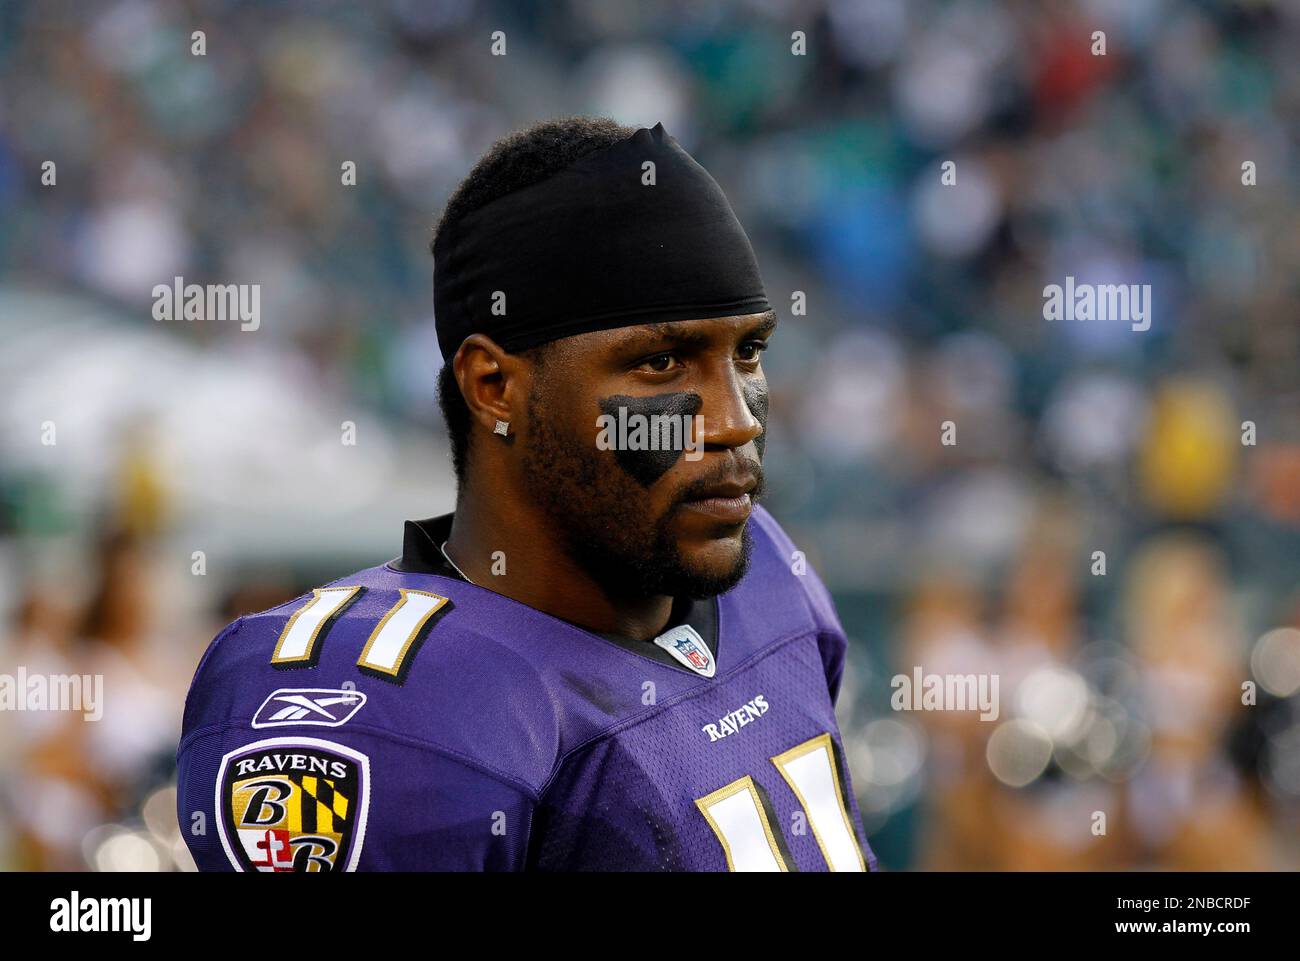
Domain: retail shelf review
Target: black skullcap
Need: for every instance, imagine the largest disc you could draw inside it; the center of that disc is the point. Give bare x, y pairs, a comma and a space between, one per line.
592, 247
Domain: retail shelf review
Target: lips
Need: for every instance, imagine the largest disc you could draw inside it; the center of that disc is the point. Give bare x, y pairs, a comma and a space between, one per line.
728, 501
732, 510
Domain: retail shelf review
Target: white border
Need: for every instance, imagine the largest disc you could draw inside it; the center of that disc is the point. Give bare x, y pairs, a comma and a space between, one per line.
361, 759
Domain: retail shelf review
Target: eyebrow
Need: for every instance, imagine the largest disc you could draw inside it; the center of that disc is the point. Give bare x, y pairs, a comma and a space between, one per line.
672, 331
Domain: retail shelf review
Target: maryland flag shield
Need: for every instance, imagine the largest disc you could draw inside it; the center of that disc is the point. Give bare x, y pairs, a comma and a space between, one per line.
293, 804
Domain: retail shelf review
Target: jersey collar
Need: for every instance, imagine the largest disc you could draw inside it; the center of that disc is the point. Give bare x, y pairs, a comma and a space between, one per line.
422, 554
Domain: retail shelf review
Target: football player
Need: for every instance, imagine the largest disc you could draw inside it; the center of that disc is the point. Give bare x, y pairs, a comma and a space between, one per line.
608, 657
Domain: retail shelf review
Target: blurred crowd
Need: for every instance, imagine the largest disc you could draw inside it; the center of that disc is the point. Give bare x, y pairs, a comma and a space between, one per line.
1107, 519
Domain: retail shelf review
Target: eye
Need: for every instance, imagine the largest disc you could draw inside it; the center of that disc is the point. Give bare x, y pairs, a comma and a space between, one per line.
659, 363
750, 350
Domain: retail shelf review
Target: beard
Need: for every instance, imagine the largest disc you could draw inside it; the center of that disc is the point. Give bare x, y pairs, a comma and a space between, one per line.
607, 525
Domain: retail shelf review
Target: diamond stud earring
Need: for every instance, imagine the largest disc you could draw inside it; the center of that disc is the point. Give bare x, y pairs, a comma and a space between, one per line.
502, 428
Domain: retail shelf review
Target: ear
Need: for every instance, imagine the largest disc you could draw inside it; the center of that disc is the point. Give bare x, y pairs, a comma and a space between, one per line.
494, 383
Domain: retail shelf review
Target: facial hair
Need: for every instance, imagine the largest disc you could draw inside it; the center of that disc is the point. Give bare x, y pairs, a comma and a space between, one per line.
604, 516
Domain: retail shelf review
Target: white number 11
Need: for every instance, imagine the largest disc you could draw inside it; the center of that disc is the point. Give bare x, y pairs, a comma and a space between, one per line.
748, 837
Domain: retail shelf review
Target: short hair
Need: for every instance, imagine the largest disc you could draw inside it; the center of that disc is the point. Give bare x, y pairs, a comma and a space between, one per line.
512, 163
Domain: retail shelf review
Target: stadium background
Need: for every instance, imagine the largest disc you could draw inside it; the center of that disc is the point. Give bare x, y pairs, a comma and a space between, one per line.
1120, 692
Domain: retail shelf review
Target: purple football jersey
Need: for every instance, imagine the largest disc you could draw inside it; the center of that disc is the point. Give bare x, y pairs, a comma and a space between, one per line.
403, 719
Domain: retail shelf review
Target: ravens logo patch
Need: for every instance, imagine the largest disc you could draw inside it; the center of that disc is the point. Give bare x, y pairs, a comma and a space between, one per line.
293, 804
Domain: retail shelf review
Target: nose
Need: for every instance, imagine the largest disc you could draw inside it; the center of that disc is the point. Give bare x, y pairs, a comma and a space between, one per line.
729, 423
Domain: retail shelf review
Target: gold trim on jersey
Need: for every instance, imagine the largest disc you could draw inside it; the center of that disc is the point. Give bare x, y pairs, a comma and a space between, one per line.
398, 661
822, 742
745, 783
317, 594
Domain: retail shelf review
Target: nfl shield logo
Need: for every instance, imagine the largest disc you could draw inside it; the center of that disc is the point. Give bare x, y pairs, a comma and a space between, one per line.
685, 644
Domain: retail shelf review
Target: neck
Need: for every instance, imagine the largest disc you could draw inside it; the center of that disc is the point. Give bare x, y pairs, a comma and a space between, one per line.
538, 570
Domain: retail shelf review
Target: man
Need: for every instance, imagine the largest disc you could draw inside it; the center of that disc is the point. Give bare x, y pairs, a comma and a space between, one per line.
605, 658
